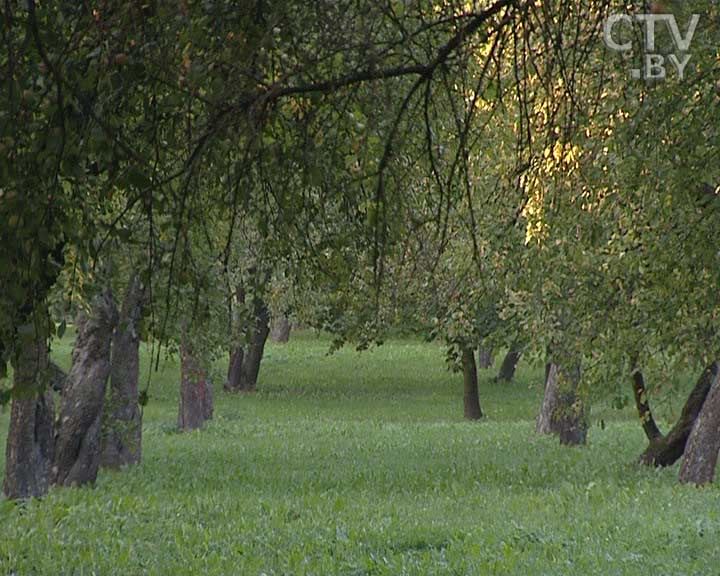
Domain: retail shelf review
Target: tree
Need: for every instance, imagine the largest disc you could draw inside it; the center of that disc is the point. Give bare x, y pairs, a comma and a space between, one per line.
701, 453
122, 417
192, 115
197, 322
196, 401
78, 442
485, 358
471, 399
509, 363
665, 450
280, 331
247, 355
562, 411
29, 451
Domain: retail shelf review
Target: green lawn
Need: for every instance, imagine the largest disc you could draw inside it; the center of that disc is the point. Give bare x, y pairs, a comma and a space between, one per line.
361, 464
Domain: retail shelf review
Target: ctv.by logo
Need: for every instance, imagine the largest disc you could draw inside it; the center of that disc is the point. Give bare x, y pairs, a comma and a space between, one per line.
654, 63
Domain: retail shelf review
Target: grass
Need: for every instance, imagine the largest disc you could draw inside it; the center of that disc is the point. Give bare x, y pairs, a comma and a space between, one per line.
360, 464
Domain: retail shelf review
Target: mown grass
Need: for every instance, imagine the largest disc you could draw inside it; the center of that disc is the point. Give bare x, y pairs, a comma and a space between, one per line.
360, 464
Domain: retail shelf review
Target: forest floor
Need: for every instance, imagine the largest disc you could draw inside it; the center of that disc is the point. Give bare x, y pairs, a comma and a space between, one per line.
361, 464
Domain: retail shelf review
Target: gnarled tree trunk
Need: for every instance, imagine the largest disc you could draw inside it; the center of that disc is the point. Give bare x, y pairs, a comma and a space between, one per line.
121, 424
196, 401
573, 423
562, 410
77, 445
666, 450
245, 361
546, 423
29, 449
280, 332
701, 451
471, 399
507, 368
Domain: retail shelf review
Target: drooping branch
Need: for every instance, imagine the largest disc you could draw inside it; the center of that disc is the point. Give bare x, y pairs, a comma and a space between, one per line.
372, 74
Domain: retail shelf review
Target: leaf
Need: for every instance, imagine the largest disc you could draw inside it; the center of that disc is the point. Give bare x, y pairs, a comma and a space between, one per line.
61, 329
136, 179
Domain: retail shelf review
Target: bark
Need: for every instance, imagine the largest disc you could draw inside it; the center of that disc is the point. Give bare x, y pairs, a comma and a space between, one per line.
666, 450
546, 423
507, 368
701, 452
562, 411
234, 377
643, 407
485, 358
29, 449
253, 357
122, 425
280, 332
77, 444
573, 424
196, 401
245, 361
57, 376
471, 397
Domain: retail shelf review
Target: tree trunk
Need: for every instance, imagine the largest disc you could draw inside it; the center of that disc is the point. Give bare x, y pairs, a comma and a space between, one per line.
666, 450
280, 332
573, 424
253, 357
29, 450
471, 397
234, 377
57, 376
245, 362
703, 445
507, 368
562, 410
77, 445
643, 407
122, 425
485, 358
196, 402
546, 423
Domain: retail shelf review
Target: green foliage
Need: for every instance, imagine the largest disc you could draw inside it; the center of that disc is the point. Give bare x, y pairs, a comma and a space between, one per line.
362, 464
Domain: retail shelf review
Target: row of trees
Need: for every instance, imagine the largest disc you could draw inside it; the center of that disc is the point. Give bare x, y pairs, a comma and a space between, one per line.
485, 172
